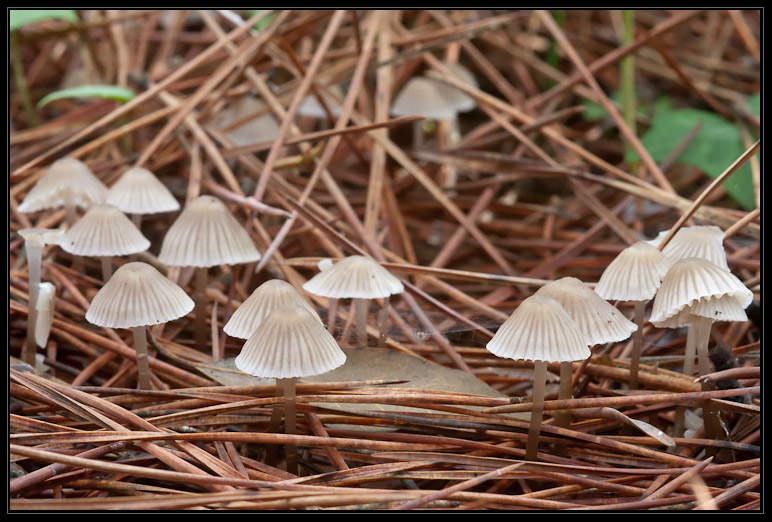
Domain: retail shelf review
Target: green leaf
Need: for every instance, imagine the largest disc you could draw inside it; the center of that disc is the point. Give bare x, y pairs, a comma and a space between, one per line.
21, 17
262, 23
110, 92
596, 112
717, 145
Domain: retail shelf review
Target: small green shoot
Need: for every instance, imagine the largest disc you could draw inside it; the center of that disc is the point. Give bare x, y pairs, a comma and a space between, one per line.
110, 92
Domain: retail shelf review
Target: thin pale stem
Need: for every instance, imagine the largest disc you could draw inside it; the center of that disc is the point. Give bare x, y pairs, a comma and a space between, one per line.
418, 135
635, 361
702, 338
202, 278
360, 318
107, 268
137, 220
565, 392
688, 370
288, 387
539, 381
143, 367
34, 255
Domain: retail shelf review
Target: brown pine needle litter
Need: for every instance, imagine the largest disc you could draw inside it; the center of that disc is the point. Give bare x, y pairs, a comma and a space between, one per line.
543, 174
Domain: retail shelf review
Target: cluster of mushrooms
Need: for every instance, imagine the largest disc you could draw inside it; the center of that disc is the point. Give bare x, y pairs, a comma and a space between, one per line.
688, 278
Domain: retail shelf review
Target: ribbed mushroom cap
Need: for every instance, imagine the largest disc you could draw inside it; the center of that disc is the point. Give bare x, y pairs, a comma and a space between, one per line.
290, 342
706, 242
717, 309
686, 283
139, 191
461, 101
421, 96
634, 275
355, 277
599, 321
42, 236
138, 295
206, 234
67, 178
104, 231
540, 329
257, 130
266, 298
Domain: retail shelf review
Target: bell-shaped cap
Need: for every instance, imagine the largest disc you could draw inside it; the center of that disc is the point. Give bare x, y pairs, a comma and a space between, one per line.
139, 191
421, 96
266, 298
256, 130
354, 277
104, 231
706, 242
138, 295
67, 179
689, 281
206, 234
290, 342
634, 275
457, 99
599, 321
540, 329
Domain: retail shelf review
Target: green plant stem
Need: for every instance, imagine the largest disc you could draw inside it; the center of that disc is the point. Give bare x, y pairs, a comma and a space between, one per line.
21, 81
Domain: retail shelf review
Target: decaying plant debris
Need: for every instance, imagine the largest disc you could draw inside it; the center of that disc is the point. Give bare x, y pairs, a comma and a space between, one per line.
473, 215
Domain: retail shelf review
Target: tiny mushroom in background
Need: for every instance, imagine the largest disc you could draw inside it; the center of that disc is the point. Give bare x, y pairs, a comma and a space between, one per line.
135, 297
539, 330
253, 130
421, 96
267, 297
104, 231
634, 275
206, 234
68, 182
290, 343
359, 278
598, 321
35, 239
311, 108
706, 242
138, 191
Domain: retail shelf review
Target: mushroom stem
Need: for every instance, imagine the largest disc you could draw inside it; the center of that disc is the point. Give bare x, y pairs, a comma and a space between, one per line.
635, 360
563, 417
383, 316
143, 368
107, 268
202, 277
447, 138
688, 370
702, 338
418, 135
34, 254
288, 387
137, 220
539, 381
332, 310
360, 318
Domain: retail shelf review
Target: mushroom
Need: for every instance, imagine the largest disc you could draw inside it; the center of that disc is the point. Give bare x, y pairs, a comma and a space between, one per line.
311, 108
539, 330
359, 278
634, 275
255, 130
138, 191
45, 313
289, 344
206, 234
104, 231
67, 182
422, 96
598, 321
137, 296
706, 242
34, 241
267, 297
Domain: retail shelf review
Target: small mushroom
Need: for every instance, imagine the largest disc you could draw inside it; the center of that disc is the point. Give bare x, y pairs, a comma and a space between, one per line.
253, 129
359, 278
138, 191
539, 330
289, 344
135, 297
104, 231
206, 234
421, 96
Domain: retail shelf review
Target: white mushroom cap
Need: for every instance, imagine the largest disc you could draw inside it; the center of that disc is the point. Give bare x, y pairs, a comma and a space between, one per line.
461, 101
206, 234
256, 130
138, 295
267, 297
104, 231
687, 283
634, 275
540, 329
599, 321
66, 179
290, 342
706, 242
421, 96
355, 277
139, 191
